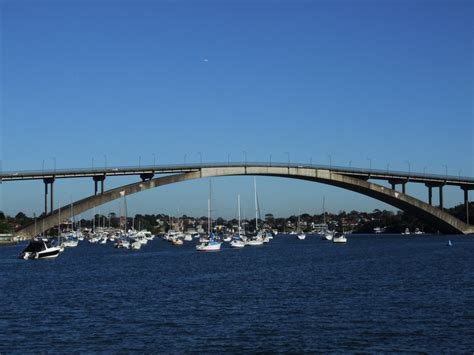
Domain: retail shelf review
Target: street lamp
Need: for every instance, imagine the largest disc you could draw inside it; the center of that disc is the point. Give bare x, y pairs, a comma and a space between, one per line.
54, 161
409, 167
245, 156
424, 170
154, 159
388, 167
228, 158
330, 161
92, 163
139, 161
200, 158
446, 169
370, 163
105, 161
310, 160
270, 160
350, 163
288, 156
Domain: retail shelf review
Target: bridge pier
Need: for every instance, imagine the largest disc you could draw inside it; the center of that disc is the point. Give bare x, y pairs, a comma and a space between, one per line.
466, 202
395, 182
98, 178
441, 196
147, 176
48, 181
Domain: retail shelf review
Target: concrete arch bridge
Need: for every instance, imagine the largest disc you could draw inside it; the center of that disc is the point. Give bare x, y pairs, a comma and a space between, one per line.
350, 179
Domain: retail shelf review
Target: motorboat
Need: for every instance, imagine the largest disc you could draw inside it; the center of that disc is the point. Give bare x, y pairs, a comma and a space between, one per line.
255, 240
301, 236
177, 242
327, 235
237, 242
339, 238
39, 249
212, 245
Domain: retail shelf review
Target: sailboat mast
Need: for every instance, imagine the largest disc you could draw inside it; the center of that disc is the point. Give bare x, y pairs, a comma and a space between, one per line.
238, 203
59, 222
324, 211
209, 227
256, 208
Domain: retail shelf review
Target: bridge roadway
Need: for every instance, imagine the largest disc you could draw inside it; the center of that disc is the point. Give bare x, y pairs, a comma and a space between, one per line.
394, 177
351, 179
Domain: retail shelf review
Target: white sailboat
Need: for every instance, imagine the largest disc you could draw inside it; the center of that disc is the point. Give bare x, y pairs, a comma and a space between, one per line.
212, 244
257, 239
238, 241
301, 235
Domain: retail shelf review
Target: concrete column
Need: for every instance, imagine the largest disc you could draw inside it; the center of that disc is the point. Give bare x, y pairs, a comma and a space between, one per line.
95, 187
403, 187
430, 195
441, 196
45, 198
102, 187
394, 186
466, 204
51, 203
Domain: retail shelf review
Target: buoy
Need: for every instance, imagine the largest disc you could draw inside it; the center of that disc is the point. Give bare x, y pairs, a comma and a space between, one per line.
449, 243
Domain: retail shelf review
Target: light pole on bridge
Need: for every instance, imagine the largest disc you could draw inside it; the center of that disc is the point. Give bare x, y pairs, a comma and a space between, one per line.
330, 161
288, 156
370, 163
154, 159
245, 156
446, 170
200, 158
409, 167
105, 161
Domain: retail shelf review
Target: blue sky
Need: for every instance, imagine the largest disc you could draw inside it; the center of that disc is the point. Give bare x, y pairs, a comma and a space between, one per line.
364, 82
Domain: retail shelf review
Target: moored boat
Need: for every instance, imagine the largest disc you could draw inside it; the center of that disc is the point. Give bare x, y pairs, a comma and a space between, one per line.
39, 249
339, 238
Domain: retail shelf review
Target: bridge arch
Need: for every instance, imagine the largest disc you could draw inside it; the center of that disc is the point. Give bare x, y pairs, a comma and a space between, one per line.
443, 221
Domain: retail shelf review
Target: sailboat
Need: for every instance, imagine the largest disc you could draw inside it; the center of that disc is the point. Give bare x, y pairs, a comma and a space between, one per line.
238, 240
212, 244
301, 235
257, 239
326, 233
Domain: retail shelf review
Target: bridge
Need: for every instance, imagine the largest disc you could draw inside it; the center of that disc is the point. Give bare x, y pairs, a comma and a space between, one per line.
354, 179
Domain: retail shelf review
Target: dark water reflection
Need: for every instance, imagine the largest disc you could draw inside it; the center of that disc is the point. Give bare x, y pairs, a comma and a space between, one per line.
374, 294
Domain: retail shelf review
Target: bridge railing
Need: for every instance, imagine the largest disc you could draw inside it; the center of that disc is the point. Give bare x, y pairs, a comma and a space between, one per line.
136, 169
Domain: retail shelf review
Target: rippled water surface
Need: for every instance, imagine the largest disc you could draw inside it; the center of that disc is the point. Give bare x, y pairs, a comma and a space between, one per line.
373, 294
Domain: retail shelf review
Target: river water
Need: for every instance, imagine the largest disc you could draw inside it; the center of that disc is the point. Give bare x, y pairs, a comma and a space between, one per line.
379, 293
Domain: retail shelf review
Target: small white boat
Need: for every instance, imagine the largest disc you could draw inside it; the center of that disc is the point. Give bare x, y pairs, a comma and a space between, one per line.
339, 238
254, 241
237, 242
327, 235
39, 249
136, 245
301, 236
211, 245
449, 243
